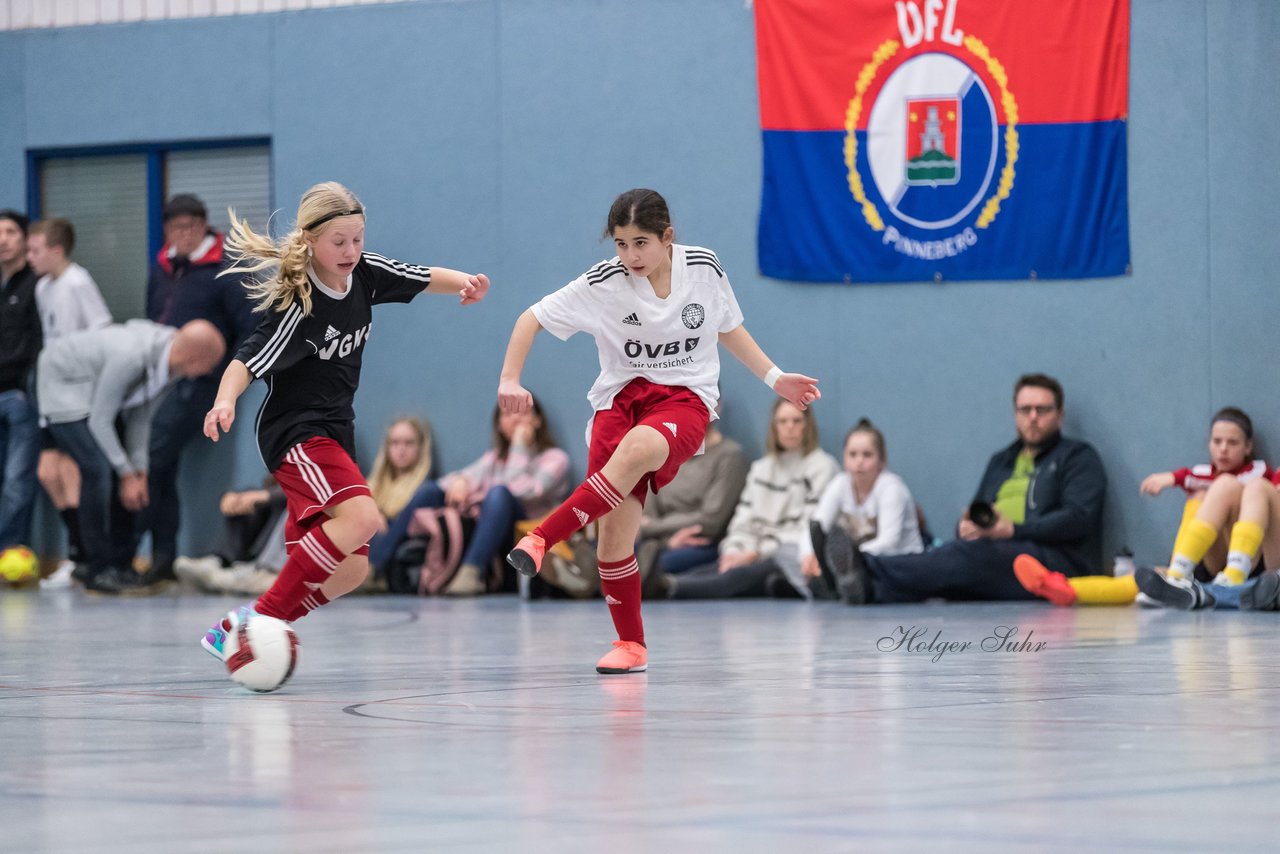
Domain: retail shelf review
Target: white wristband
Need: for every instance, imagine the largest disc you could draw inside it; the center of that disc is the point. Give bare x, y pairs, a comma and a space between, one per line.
771, 378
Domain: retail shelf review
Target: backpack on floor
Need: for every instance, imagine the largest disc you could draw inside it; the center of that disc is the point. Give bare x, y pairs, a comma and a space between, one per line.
446, 532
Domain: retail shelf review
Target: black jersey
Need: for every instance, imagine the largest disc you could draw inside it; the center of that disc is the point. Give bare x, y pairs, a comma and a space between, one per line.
311, 362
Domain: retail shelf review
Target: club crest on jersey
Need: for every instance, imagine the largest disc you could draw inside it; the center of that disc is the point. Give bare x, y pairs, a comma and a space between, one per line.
693, 315
931, 133
343, 346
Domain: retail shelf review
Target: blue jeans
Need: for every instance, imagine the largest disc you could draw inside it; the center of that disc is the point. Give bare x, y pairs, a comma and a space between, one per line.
178, 418
382, 548
106, 528
19, 453
499, 512
676, 561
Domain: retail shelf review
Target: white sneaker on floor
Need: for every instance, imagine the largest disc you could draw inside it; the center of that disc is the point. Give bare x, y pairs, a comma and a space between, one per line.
60, 577
1145, 601
199, 571
245, 579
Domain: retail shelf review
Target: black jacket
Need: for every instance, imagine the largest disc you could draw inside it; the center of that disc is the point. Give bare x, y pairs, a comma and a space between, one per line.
1064, 501
20, 334
191, 289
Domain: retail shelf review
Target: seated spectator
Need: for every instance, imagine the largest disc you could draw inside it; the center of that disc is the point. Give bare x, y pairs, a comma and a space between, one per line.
19, 346
69, 301
401, 466
763, 551
1043, 495
1230, 453
866, 504
1231, 460
88, 380
683, 524
249, 519
524, 475
1255, 506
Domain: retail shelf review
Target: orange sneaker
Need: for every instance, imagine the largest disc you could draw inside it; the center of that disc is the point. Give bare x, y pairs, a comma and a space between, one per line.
526, 557
626, 657
1043, 582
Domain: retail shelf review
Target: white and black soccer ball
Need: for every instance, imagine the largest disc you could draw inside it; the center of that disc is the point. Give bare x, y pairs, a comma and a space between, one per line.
261, 653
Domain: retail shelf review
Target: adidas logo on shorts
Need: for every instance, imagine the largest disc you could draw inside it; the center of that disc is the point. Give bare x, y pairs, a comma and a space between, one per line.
331, 334
670, 426
631, 320
582, 517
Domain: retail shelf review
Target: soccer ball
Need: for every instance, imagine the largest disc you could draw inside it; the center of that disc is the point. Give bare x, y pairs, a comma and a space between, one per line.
261, 653
18, 565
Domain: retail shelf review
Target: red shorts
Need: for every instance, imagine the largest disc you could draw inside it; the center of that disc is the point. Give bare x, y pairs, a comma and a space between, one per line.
674, 411
315, 475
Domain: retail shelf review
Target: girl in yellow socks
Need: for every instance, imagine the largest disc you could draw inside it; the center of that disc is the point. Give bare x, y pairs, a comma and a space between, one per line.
1256, 532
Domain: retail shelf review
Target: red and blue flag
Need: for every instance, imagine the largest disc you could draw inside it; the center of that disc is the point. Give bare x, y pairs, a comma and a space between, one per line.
926, 140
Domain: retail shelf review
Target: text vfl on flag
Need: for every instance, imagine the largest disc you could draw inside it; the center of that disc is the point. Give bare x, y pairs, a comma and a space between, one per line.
923, 140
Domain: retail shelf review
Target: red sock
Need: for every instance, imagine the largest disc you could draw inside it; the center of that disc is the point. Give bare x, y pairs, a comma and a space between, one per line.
309, 603
593, 498
313, 560
620, 583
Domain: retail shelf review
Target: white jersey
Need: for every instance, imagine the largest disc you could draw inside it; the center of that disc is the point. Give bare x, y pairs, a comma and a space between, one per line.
70, 303
672, 341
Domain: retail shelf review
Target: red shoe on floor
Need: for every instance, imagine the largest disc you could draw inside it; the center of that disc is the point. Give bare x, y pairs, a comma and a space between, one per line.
626, 657
527, 556
1043, 582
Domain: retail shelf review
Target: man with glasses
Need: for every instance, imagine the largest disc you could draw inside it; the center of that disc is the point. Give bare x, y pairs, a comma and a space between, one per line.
1041, 496
184, 286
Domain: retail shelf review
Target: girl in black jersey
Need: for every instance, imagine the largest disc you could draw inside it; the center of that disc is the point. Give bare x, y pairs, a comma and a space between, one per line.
317, 297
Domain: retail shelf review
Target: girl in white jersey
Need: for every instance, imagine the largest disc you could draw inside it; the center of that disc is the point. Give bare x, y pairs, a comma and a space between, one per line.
316, 301
657, 311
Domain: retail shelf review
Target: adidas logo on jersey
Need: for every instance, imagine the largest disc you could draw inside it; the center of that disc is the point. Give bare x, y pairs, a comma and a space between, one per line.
331, 334
670, 426
583, 518
609, 600
631, 320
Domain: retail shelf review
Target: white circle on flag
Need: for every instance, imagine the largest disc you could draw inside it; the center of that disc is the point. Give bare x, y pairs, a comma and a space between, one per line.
929, 75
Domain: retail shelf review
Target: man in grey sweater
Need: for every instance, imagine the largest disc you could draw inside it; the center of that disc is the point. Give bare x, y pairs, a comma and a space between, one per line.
90, 383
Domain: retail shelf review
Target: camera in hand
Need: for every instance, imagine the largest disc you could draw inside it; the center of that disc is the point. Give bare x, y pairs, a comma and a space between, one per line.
982, 514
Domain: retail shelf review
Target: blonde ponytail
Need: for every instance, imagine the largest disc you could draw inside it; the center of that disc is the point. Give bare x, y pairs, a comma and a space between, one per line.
253, 253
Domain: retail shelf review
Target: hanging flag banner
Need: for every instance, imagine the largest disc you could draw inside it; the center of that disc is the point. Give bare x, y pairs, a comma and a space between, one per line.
926, 140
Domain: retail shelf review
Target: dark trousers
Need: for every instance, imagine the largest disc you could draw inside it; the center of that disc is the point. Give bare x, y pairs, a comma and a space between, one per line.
107, 530
19, 452
244, 537
681, 560
974, 570
178, 419
708, 582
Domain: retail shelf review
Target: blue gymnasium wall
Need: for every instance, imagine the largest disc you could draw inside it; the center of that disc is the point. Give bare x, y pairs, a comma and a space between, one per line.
493, 135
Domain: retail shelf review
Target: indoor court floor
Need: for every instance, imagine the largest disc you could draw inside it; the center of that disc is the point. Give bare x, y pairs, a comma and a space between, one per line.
480, 725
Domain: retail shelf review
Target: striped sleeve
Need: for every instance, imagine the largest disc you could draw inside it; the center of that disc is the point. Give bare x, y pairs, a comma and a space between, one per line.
278, 343
394, 281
